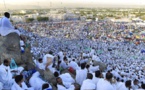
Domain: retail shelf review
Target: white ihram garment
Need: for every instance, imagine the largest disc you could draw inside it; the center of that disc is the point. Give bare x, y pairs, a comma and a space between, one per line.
6, 27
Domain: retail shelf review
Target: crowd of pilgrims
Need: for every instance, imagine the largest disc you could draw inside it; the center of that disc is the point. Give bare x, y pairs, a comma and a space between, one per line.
67, 45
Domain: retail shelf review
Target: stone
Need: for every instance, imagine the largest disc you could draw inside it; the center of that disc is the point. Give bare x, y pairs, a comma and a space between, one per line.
101, 65
10, 48
48, 76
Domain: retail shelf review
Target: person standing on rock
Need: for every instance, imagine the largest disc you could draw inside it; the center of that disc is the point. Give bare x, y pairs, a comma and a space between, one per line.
6, 26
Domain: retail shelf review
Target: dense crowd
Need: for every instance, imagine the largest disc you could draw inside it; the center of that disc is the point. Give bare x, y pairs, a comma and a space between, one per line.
124, 59
76, 46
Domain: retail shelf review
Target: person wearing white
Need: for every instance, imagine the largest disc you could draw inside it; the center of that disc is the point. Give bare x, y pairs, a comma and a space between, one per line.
97, 76
105, 84
135, 84
92, 52
63, 86
88, 84
22, 43
48, 62
142, 87
46, 86
95, 58
74, 65
81, 75
20, 84
67, 78
126, 86
6, 77
93, 68
36, 82
1, 86
119, 85
60, 54
40, 64
6, 26
64, 63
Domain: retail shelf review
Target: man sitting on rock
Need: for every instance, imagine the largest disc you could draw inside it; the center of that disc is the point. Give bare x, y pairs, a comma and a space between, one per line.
6, 26
6, 75
63, 86
36, 82
20, 84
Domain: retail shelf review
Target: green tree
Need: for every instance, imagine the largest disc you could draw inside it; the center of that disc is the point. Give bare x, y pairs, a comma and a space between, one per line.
82, 13
42, 18
143, 17
29, 19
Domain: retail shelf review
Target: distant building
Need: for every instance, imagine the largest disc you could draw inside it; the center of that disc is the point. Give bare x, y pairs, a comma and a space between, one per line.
53, 11
22, 12
131, 16
16, 19
71, 16
32, 16
56, 17
88, 20
125, 20
137, 20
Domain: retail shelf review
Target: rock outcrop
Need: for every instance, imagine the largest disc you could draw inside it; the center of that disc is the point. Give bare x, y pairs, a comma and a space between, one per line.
10, 48
101, 65
48, 76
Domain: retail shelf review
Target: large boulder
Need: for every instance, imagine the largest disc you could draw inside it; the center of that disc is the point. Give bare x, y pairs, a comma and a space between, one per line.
48, 76
102, 66
10, 48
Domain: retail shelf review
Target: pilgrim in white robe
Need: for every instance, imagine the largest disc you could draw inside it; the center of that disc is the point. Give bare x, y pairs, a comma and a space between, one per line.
36, 82
74, 65
15, 86
95, 79
81, 75
1, 86
115, 73
18, 69
48, 59
95, 58
22, 43
60, 54
64, 65
6, 27
93, 68
88, 84
67, 78
104, 85
6, 77
40, 65
85, 55
135, 87
92, 52
83, 61
60, 87
123, 87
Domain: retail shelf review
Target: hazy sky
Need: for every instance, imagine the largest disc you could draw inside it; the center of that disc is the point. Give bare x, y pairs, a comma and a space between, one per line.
19, 4
124, 2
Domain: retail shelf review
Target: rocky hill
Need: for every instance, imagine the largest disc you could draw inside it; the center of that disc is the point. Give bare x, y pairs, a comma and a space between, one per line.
10, 48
